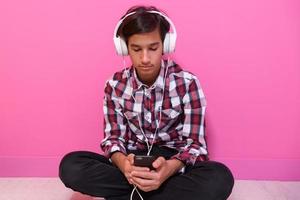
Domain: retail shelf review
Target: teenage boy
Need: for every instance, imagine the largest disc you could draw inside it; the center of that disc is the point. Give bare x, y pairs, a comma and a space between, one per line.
153, 108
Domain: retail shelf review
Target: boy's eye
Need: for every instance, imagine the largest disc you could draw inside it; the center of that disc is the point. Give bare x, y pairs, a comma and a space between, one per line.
151, 49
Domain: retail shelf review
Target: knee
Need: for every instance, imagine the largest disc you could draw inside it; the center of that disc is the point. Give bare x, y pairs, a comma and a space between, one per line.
223, 180
69, 168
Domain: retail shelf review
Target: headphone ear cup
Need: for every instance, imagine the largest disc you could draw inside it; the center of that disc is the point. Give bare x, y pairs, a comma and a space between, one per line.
172, 42
120, 46
123, 47
167, 43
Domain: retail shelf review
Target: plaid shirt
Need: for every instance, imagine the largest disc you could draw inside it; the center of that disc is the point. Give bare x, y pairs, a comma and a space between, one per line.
129, 105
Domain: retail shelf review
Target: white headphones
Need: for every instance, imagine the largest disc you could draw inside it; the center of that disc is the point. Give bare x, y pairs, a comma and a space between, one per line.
169, 41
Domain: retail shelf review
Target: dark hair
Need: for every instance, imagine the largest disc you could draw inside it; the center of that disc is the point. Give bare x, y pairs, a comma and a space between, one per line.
143, 22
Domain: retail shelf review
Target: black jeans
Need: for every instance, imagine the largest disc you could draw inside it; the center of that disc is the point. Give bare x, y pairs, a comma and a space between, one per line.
93, 174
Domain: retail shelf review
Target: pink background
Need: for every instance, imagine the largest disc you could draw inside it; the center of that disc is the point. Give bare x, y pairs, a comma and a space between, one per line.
55, 57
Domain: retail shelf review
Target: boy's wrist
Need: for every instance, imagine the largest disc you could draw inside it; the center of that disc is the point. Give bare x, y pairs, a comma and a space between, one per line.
119, 159
176, 165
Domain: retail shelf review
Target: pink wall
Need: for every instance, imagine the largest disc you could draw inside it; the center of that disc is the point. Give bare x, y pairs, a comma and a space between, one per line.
56, 55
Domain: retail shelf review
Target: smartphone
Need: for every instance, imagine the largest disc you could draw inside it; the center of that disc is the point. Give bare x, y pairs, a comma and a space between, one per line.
144, 161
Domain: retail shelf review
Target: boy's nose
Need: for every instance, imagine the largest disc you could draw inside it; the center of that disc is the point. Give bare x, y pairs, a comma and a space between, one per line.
145, 57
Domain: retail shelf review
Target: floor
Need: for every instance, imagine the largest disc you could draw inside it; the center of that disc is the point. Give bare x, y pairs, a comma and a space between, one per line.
53, 189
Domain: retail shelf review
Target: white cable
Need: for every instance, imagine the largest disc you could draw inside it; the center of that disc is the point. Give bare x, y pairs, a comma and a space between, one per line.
146, 139
137, 190
160, 109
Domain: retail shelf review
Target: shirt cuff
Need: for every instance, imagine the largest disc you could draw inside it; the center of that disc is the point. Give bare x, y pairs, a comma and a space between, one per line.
189, 159
114, 148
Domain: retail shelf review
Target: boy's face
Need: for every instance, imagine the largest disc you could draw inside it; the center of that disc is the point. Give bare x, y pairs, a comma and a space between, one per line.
145, 51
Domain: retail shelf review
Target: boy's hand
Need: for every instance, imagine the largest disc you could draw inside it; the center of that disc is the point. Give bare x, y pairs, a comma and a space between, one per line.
125, 164
147, 180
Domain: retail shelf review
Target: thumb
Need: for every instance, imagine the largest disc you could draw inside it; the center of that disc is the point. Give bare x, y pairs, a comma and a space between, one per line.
130, 158
159, 162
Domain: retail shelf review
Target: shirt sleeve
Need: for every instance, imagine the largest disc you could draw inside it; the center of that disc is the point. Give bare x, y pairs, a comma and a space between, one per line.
115, 130
193, 127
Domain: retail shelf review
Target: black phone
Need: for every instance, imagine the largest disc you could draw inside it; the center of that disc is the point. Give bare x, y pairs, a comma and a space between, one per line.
144, 161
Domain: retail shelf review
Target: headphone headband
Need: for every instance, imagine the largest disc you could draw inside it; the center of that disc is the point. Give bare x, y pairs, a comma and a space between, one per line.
168, 43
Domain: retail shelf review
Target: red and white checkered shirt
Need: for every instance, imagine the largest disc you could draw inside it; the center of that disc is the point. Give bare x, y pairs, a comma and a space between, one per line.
129, 105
